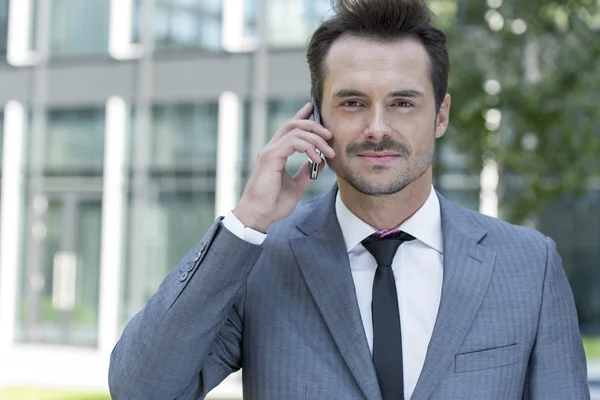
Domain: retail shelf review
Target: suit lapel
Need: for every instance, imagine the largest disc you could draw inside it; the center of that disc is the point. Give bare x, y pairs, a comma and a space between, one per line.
323, 260
467, 271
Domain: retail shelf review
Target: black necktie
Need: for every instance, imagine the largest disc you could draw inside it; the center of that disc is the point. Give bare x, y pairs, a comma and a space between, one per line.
387, 335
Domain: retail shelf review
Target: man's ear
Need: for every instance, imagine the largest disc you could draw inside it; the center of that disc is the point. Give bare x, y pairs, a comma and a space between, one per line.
443, 117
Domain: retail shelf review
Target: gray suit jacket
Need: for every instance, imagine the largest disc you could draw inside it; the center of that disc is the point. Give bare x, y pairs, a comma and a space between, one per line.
287, 313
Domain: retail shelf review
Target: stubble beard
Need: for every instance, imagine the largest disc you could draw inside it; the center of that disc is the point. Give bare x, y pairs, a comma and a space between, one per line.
415, 166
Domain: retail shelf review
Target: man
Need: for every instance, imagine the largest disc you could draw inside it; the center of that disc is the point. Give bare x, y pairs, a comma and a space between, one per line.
381, 289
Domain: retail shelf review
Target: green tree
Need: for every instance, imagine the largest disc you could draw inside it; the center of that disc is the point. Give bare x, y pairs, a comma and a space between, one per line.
541, 62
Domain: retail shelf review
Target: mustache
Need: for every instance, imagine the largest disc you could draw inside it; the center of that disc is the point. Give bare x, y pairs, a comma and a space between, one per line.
386, 143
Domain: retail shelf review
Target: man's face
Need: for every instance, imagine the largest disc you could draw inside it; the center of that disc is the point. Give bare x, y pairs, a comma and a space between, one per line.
379, 103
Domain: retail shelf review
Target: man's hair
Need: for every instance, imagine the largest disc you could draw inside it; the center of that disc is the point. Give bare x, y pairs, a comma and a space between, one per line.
380, 20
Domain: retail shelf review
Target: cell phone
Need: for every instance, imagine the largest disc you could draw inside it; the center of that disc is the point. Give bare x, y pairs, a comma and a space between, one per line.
314, 167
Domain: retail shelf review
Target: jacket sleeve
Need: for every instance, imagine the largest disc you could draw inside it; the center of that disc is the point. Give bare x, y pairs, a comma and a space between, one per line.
557, 367
187, 339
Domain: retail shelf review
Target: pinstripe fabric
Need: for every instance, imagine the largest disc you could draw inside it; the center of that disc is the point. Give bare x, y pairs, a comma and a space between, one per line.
286, 313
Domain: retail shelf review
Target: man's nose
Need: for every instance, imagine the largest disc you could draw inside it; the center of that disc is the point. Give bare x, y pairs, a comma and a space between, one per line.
377, 125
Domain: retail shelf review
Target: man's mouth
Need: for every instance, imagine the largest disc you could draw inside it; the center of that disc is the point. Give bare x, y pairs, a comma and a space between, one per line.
378, 157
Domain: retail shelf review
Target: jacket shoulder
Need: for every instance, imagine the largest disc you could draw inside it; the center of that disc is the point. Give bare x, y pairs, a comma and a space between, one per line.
504, 237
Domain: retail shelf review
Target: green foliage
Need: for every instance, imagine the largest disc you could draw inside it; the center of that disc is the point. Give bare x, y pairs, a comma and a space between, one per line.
548, 141
592, 348
49, 394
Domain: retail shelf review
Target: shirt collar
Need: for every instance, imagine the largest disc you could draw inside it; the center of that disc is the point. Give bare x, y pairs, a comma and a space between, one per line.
425, 225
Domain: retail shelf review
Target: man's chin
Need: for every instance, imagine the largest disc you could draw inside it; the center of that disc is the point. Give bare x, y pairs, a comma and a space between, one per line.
369, 187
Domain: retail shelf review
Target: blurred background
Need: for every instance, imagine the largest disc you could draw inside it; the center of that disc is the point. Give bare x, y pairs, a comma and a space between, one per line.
127, 126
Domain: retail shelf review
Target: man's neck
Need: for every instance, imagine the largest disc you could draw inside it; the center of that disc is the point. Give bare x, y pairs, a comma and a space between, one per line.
387, 212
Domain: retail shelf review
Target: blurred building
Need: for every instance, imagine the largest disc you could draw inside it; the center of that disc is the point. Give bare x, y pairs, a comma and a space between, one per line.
127, 126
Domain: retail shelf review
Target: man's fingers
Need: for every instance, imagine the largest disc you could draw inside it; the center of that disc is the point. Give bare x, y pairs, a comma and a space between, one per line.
311, 126
302, 124
302, 146
317, 141
302, 121
280, 152
299, 140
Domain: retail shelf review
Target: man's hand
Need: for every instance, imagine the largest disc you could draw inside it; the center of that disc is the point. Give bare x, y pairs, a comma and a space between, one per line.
271, 193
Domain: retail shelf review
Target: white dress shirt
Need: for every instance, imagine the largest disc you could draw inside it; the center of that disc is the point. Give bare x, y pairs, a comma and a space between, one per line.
417, 266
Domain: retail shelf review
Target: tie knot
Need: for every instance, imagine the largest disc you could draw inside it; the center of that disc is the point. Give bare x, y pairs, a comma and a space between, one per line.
384, 248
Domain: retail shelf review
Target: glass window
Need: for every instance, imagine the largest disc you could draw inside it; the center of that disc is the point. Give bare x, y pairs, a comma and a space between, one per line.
175, 222
250, 18
79, 27
87, 286
574, 223
75, 140
454, 176
185, 136
33, 22
178, 202
246, 147
3, 27
291, 22
1, 138
136, 23
176, 232
188, 23
451, 158
61, 275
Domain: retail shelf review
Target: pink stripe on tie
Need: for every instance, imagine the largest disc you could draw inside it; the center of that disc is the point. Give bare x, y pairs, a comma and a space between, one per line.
383, 233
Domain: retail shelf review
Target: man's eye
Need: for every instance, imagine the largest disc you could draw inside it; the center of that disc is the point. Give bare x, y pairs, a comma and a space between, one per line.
351, 103
405, 104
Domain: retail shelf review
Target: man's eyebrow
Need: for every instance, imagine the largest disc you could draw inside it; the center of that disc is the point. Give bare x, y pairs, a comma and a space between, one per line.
399, 93
407, 93
349, 93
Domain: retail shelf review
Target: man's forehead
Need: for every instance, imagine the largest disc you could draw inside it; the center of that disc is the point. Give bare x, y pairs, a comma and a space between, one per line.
403, 56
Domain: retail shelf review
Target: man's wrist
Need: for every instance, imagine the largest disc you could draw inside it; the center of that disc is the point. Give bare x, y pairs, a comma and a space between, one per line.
235, 226
250, 221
